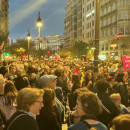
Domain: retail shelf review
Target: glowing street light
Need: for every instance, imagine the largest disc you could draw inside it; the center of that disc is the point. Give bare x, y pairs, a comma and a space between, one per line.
28, 38
113, 46
39, 25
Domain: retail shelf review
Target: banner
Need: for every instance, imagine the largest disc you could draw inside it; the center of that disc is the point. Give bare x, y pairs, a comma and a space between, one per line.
126, 62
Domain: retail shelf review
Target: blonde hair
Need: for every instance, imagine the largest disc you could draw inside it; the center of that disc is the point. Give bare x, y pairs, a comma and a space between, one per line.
27, 97
115, 96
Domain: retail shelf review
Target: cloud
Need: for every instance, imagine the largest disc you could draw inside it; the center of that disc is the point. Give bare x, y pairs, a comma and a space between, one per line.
22, 13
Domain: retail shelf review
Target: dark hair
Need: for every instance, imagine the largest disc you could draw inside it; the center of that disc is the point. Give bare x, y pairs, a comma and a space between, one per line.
49, 95
119, 77
121, 122
90, 103
11, 92
5, 63
58, 72
75, 79
3, 70
102, 85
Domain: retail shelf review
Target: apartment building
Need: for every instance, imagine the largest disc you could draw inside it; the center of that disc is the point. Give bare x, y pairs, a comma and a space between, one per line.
54, 42
73, 22
115, 20
4, 22
88, 20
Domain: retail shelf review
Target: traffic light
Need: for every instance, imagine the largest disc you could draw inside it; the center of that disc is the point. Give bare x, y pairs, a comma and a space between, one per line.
118, 36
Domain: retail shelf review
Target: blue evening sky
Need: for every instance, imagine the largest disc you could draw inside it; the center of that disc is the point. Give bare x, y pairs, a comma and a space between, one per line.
24, 13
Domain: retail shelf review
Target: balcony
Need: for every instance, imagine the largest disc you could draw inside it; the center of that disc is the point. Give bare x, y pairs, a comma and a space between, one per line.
108, 14
106, 4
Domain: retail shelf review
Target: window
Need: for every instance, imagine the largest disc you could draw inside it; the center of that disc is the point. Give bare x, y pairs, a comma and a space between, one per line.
93, 23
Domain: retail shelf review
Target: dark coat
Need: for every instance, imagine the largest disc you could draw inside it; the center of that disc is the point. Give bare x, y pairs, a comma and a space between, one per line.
106, 117
47, 120
23, 122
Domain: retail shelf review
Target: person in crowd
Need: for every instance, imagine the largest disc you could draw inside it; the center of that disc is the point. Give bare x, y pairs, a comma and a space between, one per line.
47, 120
76, 85
117, 99
110, 110
12, 73
21, 81
8, 100
87, 108
121, 122
4, 72
3, 118
122, 89
72, 118
49, 81
32, 76
88, 80
2, 85
29, 103
77, 70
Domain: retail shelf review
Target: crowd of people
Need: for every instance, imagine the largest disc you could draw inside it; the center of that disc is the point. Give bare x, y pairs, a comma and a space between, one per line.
43, 95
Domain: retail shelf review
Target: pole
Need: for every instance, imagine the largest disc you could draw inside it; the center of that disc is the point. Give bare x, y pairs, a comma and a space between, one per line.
97, 22
39, 40
28, 48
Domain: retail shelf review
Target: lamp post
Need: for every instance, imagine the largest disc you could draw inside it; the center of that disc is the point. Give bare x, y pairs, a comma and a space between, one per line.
28, 38
39, 25
93, 48
113, 46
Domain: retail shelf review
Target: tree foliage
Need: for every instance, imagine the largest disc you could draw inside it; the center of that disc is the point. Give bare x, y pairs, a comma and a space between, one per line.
80, 48
21, 43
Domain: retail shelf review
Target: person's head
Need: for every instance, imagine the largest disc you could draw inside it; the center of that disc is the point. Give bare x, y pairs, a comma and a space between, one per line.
13, 69
9, 87
47, 81
88, 103
58, 72
77, 66
4, 71
20, 73
121, 122
2, 84
49, 98
30, 100
120, 77
102, 86
117, 98
76, 94
88, 75
5, 63
75, 78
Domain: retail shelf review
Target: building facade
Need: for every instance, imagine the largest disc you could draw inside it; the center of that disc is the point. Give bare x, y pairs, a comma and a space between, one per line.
102, 21
73, 22
4, 22
114, 21
54, 42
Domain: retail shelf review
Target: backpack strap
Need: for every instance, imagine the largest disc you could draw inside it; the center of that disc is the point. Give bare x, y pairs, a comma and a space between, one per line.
14, 120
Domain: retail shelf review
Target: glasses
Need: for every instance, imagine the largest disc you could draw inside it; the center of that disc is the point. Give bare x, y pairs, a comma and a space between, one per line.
41, 102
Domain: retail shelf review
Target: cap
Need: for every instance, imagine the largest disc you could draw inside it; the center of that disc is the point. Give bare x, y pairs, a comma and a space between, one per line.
46, 78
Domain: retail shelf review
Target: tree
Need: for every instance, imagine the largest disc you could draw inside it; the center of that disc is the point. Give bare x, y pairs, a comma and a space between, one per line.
21, 43
80, 48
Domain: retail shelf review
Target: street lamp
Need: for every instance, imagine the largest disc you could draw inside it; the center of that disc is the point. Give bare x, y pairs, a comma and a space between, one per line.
93, 48
28, 38
113, 46
39, 25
